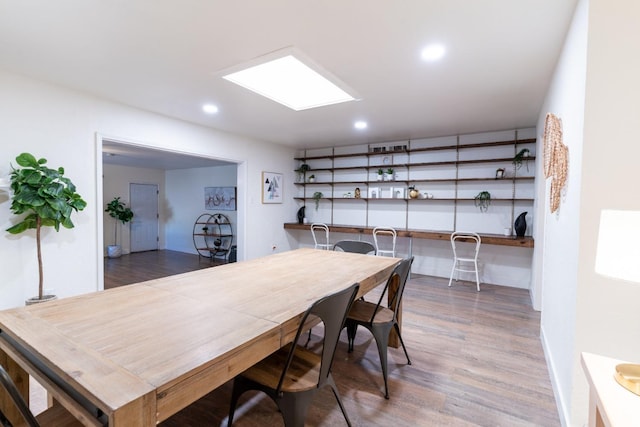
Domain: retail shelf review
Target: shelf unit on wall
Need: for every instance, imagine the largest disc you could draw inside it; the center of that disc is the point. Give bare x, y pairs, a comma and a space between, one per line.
213, 235
452, 173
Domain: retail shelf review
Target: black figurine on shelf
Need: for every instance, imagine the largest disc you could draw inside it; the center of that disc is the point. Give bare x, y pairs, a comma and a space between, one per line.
301, 215
520, 225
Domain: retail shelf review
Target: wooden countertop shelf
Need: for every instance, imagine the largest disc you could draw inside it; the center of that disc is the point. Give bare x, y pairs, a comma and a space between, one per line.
489, 239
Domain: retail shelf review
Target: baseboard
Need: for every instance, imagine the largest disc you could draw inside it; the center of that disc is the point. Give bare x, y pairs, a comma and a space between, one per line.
564, 411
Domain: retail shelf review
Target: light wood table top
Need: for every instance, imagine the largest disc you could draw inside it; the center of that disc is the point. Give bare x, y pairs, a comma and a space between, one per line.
142, 352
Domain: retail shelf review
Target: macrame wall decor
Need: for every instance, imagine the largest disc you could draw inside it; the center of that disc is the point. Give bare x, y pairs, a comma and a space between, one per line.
556, 159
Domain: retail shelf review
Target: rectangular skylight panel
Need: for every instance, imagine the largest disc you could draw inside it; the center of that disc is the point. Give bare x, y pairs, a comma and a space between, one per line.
290, 82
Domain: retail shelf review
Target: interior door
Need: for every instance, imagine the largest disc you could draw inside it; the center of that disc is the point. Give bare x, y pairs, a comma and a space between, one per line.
144, 226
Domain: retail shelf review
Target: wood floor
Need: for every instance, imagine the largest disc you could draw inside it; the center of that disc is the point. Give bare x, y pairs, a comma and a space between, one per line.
476, 361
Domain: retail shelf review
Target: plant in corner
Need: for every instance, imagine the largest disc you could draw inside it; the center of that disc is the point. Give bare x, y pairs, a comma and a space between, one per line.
47, 198
317, 196
483, 200
118, 210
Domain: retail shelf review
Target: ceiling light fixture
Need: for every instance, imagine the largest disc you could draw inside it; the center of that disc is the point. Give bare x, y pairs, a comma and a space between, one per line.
433, 52
292, 82
360, 125
210, 108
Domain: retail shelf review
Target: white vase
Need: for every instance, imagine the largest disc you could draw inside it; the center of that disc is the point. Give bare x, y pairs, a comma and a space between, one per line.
114, 251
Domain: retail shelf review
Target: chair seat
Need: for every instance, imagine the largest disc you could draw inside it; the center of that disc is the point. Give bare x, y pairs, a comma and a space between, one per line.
57, 416
362, 311
302, 374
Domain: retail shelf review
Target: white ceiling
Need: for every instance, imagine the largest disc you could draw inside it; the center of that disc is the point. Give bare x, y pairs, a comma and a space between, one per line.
166, 56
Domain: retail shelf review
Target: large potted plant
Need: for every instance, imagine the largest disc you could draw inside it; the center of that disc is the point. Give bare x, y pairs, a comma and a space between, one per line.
47, 198
120, 212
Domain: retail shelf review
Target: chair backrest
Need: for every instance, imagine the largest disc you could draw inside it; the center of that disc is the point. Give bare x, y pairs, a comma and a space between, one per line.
355, 246
379, 234
332, 311
14, 394
322, 239
400, 274
465, 236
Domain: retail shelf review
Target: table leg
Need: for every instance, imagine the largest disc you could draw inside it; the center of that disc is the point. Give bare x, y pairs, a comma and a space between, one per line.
21, 380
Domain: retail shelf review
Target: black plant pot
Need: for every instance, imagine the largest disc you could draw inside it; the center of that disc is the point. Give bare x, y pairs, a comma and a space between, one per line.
520, 225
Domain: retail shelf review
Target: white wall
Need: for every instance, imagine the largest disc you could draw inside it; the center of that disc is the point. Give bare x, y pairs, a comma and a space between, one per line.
116, 180
63, 126
184, 202
557, 240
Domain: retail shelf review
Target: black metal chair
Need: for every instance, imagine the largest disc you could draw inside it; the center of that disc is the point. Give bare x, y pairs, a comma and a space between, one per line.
54, 416
379, 319
293, 375
355, 246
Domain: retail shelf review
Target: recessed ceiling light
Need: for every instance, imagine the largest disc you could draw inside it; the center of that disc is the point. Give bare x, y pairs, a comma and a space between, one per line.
360, 124
433, 52
210, 108
291, 82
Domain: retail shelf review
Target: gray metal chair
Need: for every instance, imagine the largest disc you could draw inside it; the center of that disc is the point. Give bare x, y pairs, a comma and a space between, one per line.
293, 375
355, 246
55, 416
379, 319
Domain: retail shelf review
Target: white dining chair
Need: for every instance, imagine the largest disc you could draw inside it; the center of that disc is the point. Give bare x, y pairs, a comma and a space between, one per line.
320, 233
385, 241
465, 259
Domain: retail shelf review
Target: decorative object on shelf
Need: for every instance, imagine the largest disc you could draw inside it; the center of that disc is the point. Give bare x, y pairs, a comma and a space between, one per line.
357, 192
522, 156
556, 159
48, 198
300, 215
389, 174
301, 171
119, 212
220, 198
380, 174
312, 178
483, 200
499, 173
507, 231
374, 192
387, 160
271, 187
520, 224
316, 197
413, 192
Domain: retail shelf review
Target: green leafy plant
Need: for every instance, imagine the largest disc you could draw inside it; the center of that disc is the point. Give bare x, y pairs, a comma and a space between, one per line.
47, 198
316, 197
390, 171
120, 212
523, 155
380, 171
302, 170
483, 200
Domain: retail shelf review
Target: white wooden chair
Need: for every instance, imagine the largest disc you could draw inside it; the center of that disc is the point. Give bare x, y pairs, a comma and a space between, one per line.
465, 261
388, 236
320, 233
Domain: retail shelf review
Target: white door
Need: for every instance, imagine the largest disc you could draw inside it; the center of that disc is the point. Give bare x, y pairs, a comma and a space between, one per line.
144, 226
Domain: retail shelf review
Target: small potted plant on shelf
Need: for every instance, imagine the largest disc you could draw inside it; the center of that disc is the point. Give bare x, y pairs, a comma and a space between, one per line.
301, 171
48, 199
389, 174
316, 197
523, 155
483, 200
312, 178
380, 174
499, 173
119, 212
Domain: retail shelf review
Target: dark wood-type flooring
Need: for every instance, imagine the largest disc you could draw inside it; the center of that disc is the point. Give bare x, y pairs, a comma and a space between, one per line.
476, 358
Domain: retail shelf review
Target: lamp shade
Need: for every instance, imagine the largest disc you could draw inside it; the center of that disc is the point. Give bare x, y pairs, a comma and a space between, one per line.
618, 252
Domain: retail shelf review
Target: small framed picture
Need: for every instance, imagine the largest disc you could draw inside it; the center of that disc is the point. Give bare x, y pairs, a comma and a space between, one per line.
271, 187
374, 193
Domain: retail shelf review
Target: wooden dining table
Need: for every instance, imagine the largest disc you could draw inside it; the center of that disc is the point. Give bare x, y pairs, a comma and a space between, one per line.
137, 354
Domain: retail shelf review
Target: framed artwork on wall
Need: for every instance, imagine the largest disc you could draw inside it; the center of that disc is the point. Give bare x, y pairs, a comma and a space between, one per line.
220, 198
271, 187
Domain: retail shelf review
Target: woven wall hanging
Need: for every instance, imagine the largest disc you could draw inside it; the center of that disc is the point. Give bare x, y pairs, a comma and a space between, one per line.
556, 159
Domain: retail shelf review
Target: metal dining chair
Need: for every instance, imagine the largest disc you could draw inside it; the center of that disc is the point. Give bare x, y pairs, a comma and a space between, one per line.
379, 319
320, 233
465, 261
355, 246
55, 416
294, 374
388, 236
